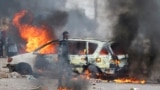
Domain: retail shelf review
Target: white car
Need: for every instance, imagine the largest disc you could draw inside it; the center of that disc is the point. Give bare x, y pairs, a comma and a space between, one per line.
95, 55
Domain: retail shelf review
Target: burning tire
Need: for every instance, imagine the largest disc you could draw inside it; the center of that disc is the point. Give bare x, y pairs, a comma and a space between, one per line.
92, 70
123, 72
23, 69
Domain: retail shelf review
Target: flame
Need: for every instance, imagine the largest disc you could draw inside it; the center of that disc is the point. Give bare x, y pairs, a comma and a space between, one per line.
34, 35
83, 52
129, 80
40, 70
86, 75
103, 52
116, 62
63, 88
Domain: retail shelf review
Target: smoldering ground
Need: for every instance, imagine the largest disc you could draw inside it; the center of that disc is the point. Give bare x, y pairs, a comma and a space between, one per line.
137, 30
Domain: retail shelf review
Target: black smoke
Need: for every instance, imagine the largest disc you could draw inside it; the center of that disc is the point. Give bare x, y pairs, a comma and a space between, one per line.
125, 29
57, 19
137, 30
8, 7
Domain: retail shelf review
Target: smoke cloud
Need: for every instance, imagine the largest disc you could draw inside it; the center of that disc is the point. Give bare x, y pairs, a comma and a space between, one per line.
137, 30
8, 7
55, 14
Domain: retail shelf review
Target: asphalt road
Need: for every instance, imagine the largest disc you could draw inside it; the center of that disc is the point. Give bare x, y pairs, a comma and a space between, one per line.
25, 84
28, 83
129, 86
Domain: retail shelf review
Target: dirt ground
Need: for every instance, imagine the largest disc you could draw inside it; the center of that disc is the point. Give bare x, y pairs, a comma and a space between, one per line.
14, 81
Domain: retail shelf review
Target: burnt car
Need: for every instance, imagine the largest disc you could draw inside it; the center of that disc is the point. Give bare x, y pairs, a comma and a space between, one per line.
98, 57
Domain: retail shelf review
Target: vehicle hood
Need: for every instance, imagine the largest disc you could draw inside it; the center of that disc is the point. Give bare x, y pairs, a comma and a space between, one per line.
26, 57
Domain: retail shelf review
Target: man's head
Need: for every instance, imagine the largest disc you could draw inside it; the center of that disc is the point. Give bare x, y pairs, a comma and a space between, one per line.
65, 35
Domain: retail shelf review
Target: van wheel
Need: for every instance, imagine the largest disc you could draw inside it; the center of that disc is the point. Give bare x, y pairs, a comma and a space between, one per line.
93, 70
23, 68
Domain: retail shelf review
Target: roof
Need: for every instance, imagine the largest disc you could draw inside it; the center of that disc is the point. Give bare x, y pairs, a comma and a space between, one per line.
88, 39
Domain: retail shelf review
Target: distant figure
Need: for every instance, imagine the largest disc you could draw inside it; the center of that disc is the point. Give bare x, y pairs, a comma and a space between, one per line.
63, 49
5, 27
63, 61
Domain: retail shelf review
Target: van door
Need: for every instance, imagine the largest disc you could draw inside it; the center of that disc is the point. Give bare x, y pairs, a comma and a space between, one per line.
121, 54
103, 60
77, 52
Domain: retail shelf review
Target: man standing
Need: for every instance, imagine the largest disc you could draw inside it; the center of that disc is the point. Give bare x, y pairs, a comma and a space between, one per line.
63, 62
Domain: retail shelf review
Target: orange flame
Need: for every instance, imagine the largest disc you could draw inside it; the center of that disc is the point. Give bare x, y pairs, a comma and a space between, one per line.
35, 36
86, 74
82, 52
64, 88
129, 80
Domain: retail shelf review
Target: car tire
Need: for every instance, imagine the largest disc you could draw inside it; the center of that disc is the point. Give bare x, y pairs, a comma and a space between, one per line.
93, 70
23, 69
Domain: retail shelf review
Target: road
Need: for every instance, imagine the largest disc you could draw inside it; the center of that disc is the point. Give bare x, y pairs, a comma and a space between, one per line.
117, 86
30, 83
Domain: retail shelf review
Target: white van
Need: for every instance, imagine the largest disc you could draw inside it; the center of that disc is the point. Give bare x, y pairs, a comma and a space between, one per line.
95, 55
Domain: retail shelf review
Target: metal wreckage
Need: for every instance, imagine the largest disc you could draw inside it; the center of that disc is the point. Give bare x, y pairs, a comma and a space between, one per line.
87, 57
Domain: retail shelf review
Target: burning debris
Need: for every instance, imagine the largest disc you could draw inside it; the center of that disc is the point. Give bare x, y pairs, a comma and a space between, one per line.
129, 80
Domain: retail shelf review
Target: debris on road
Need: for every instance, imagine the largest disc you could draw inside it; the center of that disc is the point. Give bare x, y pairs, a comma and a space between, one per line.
30, 77
3, 75
14, 75
134, 89
37, 88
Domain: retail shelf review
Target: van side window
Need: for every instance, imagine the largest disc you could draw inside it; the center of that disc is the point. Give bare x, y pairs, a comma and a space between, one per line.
104, 51
92, 47
77, 47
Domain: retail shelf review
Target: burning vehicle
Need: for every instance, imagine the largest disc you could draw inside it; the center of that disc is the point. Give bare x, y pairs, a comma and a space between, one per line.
91, 56
85, 55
